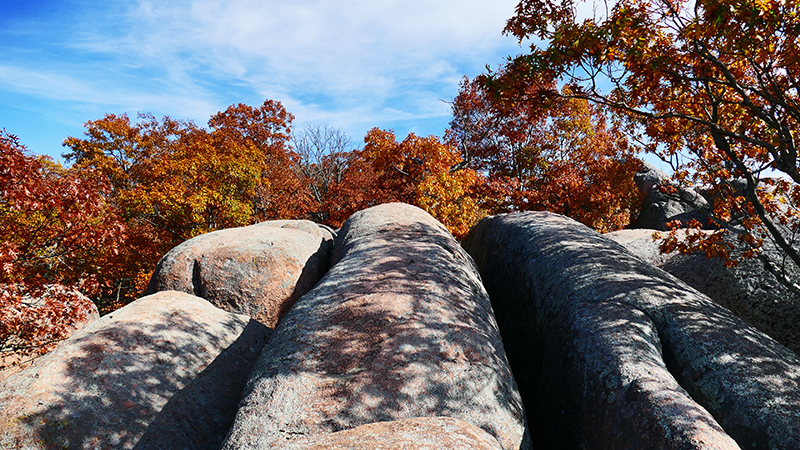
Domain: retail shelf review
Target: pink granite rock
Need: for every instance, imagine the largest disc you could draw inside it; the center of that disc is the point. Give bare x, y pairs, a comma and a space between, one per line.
749, 290
400, 327
307, 226
259, 270
423, 433
616, 353
165, 371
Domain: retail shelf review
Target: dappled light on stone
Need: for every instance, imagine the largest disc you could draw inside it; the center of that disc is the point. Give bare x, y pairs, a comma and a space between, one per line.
398, 346
399, 328
166, 370
585, 323
748, 289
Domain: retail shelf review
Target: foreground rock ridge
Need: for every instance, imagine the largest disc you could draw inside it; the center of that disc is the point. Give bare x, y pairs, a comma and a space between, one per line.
164, 372
399, 328
247, 342
611, 352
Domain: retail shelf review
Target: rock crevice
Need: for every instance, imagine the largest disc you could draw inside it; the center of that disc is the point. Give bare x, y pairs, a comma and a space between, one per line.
399, 328
584, 296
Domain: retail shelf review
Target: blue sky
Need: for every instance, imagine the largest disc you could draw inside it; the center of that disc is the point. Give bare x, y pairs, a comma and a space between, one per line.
350, 64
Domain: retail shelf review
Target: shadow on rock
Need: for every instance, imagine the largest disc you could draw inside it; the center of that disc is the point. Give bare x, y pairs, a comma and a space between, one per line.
566, 298
166, 371
399, 328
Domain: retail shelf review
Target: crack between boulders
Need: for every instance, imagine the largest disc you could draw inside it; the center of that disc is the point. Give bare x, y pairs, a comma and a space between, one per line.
196, 289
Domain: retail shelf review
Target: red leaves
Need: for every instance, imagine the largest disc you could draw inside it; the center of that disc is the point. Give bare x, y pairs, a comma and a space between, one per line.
55, 222
710, 86
33, 319
551, 154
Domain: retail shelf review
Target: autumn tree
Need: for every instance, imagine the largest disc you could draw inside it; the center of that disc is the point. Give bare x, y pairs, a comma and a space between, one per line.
418, 171
711, 86
172, 180
259, 138
57, 230
423, 172
358, 188
545, 152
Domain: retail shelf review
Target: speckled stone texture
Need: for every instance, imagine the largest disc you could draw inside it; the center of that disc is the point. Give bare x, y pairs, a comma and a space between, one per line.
422, 433
164, 372
325, 232
400, 327
259, 270
603, 345
748, 290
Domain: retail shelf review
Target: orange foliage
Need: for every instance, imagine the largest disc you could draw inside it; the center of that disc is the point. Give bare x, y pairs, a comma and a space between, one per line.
417, 171
172, 180
420, 171
715, 81
545, 153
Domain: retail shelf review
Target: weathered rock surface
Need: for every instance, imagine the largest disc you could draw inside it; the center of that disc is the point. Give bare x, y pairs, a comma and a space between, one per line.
663, 203
400, 327
316, 229
748, 290
600, 340
649, 176
423, 433
164, 372
12, 363
259, 270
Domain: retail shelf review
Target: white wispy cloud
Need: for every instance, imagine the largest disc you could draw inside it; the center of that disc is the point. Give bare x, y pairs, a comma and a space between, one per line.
346, 52
350, 63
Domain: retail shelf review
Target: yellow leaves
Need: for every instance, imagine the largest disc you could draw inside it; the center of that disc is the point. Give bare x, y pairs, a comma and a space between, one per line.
418, 170
448, 197
722, 208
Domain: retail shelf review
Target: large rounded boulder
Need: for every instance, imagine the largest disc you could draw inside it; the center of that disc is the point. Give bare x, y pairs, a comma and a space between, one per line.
400, 328
258, 270
164, 372
612, 352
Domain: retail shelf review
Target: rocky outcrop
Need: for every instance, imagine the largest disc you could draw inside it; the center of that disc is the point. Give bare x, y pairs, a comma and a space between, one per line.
259, 270
164, 372
611, 352
664, 203
397, 346
400, 328
748, 289
423, 433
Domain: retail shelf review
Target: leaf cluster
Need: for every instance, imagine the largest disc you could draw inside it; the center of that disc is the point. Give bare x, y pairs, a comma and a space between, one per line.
711, 86
540, 149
